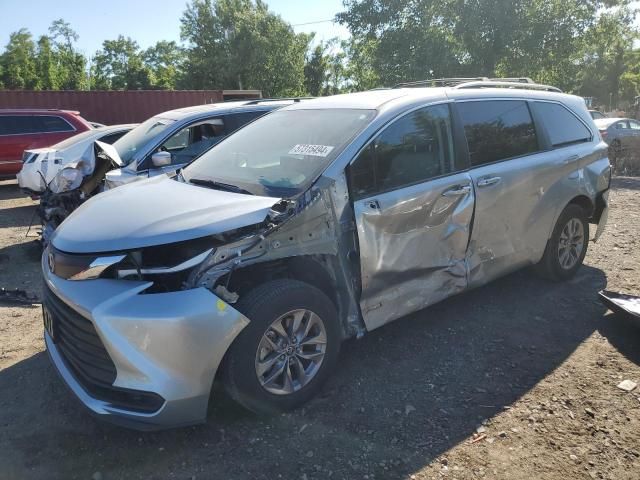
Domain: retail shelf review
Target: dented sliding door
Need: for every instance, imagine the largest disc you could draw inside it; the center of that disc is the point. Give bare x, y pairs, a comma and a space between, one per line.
413, 209
412, 246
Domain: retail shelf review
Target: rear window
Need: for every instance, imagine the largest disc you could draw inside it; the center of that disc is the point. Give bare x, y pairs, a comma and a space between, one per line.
497, 130
562, 126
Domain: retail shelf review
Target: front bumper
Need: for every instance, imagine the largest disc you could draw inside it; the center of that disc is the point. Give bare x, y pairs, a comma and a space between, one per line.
167, 344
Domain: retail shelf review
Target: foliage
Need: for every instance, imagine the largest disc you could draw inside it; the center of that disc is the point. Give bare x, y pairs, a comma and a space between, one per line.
315, 71
164, 60
609, 63
582, 46
119, 66
18, 62
403, 40
69, 64
46, 68
240, 44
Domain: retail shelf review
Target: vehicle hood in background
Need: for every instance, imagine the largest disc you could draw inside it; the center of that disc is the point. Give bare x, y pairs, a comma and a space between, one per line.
156, 211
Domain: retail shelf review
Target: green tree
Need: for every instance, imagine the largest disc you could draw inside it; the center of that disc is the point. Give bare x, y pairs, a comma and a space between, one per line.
46, 69
18, 62
361, 70
70, 64
119, 66
164, 60
337, 81
241, 44
420, 39
405, 39
315, 71
609, 65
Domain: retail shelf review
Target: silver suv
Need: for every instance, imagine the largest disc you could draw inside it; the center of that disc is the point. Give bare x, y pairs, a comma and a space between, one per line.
321, 221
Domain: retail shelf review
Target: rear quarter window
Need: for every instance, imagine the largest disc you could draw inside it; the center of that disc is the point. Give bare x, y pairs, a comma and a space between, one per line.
52, 123
562, 126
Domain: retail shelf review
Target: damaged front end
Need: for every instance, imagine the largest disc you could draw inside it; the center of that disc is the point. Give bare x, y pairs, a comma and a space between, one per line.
164, 314
73, 185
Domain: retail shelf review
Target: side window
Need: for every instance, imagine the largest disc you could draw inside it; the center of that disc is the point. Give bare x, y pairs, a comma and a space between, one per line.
622, 126
51, 123
191, 142
497, 130
412, 149
562, 126
18, 125
178, 141
634, 125
238, 120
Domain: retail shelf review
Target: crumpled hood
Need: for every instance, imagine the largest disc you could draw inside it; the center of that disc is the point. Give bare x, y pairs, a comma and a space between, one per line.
156, 211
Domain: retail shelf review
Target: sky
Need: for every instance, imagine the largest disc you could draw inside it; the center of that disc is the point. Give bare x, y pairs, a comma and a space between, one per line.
145, 21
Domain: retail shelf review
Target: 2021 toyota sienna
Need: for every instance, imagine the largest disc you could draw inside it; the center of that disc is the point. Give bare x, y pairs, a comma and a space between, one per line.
321, 221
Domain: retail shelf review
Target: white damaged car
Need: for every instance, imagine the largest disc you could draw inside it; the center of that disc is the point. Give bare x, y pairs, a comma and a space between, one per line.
40, 166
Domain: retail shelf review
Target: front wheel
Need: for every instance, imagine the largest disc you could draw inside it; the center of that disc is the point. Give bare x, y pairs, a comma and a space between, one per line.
567, 246
282, 358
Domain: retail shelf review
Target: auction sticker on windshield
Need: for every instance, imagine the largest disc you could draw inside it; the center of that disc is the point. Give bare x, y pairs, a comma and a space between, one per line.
315, 150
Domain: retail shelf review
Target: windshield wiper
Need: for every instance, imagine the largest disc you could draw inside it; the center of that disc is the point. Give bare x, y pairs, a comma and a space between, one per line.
219, 185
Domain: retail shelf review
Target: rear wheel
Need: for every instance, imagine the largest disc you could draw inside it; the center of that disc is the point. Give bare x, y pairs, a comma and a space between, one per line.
567, 246
282, 358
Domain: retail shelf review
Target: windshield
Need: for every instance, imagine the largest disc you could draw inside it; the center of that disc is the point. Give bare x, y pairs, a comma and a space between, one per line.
281, 153
137, 138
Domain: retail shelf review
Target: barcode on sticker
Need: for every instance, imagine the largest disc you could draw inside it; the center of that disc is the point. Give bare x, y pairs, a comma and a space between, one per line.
315, 150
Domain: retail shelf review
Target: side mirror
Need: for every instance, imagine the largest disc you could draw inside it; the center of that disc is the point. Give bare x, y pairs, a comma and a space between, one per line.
161, 159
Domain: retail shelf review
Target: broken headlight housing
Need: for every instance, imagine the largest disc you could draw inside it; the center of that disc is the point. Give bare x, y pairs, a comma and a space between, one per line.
67, 179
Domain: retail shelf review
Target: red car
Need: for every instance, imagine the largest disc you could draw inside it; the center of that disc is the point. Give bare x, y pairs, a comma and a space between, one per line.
23, 129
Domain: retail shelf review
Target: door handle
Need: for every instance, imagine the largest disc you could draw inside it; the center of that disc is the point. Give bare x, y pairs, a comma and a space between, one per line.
487, 181
457, 190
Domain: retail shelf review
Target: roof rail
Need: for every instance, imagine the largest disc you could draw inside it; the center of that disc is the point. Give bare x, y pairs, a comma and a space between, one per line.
267, 100
439, 82
507, 84
480, 82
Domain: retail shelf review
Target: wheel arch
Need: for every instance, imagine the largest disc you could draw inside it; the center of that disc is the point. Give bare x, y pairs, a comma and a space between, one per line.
314, 270
582, 201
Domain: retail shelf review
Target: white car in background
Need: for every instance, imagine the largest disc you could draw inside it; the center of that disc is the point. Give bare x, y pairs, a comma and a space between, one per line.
41, 165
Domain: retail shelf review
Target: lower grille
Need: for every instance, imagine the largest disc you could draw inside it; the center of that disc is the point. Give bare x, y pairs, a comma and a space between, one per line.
84, 354
79, 343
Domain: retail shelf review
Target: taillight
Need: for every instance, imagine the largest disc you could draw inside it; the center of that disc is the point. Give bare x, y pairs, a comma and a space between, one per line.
603, 134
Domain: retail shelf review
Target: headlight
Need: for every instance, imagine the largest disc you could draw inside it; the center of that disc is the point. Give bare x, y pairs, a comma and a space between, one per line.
67, 179
29, 157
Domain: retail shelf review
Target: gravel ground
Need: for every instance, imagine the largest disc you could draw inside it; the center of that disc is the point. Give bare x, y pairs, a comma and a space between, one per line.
513, 380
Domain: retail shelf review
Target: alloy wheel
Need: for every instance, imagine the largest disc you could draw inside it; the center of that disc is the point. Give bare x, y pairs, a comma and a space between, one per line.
291, 352
571, 244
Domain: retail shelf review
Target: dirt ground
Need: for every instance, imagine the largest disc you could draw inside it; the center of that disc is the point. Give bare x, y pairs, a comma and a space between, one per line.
530, 365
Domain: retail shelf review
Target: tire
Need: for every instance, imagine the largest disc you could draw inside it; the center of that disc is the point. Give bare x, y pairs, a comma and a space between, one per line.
552, 265
264, 305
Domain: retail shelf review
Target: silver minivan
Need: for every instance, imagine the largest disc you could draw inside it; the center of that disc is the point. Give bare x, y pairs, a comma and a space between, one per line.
321, 221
